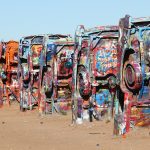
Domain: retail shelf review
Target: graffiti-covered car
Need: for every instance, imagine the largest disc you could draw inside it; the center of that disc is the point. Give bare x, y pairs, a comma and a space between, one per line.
133, 73
24, 72
95, 69
10, 71
56, 74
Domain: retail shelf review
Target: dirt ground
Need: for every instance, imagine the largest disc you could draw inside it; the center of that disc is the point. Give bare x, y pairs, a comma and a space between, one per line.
29, 131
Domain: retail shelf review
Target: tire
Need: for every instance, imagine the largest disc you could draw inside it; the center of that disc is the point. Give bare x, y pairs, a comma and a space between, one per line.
83, 84
132, 74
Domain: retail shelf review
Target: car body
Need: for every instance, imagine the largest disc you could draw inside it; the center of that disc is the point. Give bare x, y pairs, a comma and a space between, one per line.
9, 74
95, 67
56, 74
133, 73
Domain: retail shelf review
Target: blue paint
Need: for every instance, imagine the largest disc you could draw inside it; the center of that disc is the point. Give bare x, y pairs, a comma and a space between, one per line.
146, 111
51, 50
99, 98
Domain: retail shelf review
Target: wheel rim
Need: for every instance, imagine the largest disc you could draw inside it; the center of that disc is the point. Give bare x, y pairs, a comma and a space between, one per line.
130, 75
83, 82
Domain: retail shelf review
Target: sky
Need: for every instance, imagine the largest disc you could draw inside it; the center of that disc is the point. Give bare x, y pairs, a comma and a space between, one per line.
28, 17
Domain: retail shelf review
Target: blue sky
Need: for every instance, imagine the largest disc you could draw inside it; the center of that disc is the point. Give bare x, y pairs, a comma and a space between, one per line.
26, 17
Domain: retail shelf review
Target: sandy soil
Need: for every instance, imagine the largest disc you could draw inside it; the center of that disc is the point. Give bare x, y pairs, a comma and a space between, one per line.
29, 131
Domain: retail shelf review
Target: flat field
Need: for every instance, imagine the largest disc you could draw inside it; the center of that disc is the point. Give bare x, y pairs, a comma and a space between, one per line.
29, 131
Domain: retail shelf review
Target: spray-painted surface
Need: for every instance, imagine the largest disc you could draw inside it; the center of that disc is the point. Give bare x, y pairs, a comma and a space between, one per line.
26, 75
56, 74
9, 86
45, 67
95, 68
2, 71
133, 73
